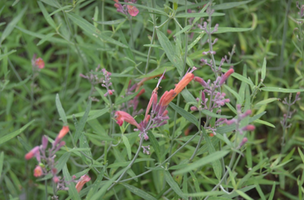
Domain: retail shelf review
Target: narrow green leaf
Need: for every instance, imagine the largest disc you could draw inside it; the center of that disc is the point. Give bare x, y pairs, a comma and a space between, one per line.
1, 162
188, 96
104, 188
263, 72
81, 124
231, 30
139, 192
216, 165
113, 22
46, 15
190, 15
188, 116
61, 111
101, 93
272, 191
45, 38
237, 96
126, 163
9, 28
95, 17
186, 28
190, 46
244, 195
240, 77
15, 133
83, 143
301, 154
204, 194
62, 161
195, 182
127, 98
258, 188
265, 101
155, 145
128, 147
211, 114
170, 51
7, 54
224, 6
157, 71
96, 184
10, 186
72, 190
93, 114
203, 161
67, 7
92, 31
282, 90
175, 187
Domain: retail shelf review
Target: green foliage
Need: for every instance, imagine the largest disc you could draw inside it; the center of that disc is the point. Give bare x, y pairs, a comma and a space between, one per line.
191, 155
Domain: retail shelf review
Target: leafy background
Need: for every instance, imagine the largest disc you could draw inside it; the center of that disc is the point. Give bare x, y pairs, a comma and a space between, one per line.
75, 37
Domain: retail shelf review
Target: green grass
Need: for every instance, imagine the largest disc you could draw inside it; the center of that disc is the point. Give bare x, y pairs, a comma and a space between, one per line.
262, 41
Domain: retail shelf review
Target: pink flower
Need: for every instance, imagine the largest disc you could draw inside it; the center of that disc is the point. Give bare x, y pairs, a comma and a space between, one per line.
249, 128
132, 10
32, 153
122, 116
39, 63
38, 171
226, 75
81, 182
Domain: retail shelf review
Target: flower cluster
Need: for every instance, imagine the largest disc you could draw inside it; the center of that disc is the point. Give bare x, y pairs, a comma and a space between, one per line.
46, 159
125, 9
106, 82
134, 102
217, 98
93, 77
158, 115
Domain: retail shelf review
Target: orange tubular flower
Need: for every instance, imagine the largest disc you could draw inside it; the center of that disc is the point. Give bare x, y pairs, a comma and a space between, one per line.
81, 182
121, 116
169, 96
226, 75
153, 101
63, 132
183, 83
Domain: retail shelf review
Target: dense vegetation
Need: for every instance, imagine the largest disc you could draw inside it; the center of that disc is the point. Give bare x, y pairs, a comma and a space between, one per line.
160, 99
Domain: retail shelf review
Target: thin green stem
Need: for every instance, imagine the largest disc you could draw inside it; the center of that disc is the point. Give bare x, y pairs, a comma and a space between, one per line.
200, 140
102, 14
130, 164
131, 33
161, 164
45, 190
225, 175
